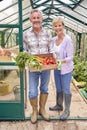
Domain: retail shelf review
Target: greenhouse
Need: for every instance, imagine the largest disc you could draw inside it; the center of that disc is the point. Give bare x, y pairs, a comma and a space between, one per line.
14, 21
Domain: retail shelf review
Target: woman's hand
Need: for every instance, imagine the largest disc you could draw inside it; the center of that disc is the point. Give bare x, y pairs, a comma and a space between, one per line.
63, 61
59, 64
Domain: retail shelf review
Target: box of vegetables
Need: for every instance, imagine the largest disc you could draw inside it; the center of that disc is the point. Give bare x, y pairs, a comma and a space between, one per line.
46, 61
35, 62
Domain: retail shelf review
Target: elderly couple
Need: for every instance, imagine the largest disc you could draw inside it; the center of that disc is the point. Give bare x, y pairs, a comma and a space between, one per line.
38, 40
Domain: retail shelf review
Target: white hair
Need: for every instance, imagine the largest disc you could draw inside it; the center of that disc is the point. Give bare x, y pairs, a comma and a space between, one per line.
36, 10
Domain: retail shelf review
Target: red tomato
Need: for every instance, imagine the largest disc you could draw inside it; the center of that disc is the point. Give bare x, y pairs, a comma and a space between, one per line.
47, 61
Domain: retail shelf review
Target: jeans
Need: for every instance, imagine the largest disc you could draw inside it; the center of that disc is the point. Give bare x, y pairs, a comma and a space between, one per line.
34, 77
62, 82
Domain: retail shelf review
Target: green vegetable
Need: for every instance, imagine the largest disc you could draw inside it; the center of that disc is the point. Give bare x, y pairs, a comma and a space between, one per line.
59, 63
24, 59
33, 62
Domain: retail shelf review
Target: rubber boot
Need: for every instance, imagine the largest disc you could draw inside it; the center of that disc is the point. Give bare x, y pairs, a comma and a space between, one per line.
34, 114
67, 102
59, 102
42, 103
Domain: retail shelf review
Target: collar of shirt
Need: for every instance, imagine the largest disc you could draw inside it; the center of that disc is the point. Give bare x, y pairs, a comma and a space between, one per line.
31, 29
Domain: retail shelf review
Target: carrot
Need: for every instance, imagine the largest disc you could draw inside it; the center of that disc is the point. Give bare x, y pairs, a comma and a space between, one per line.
40, 59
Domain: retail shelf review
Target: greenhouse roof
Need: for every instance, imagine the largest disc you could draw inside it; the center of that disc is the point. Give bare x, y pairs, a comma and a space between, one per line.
74, 12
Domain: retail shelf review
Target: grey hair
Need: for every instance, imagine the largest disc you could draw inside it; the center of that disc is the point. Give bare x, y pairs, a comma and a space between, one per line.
35, 10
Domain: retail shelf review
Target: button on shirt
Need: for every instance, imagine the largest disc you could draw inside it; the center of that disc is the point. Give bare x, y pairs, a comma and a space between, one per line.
37, 44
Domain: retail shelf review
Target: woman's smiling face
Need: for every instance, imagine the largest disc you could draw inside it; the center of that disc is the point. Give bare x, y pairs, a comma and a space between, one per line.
58, 26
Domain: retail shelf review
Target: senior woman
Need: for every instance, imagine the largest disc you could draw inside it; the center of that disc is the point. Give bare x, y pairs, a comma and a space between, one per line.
63, 48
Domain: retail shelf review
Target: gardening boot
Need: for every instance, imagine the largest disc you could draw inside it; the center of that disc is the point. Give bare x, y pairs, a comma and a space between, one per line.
42, 103
33, 103
59, 102
67, 102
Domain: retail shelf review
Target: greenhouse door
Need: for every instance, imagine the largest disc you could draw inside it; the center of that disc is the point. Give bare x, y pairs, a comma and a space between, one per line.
11, 93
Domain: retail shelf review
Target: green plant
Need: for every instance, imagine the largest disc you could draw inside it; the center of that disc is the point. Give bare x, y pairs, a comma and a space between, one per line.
80, 70
23, 59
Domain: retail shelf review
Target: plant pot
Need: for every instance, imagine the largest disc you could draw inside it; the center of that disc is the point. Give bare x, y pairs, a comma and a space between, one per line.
84, 93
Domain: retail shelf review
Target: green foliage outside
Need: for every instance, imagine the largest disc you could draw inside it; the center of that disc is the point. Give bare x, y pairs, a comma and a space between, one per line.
80, 70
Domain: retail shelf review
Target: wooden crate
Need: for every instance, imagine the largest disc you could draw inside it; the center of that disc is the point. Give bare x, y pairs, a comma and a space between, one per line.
44, 67
5, 59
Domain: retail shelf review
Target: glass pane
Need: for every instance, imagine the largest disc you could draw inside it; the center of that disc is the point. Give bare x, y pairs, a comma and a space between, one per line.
9, 83
9, 44
9, 12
